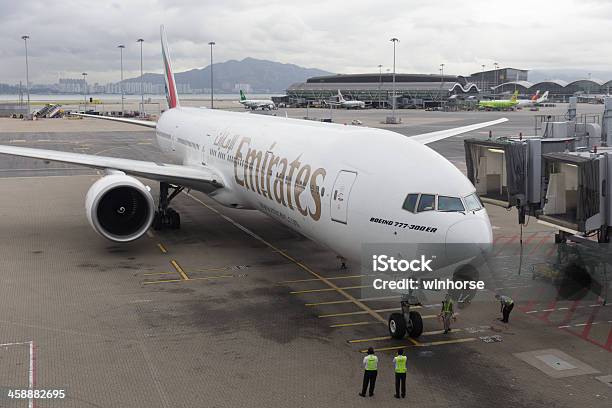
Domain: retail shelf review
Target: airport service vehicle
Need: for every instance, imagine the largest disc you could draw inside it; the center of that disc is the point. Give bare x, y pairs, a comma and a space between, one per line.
256, 103
499, 104
343, 103
338, 185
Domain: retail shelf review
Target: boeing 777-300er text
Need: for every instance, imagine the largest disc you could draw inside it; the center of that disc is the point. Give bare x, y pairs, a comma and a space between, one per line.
341, 186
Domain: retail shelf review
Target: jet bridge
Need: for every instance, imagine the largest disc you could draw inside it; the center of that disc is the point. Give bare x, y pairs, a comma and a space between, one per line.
562, 178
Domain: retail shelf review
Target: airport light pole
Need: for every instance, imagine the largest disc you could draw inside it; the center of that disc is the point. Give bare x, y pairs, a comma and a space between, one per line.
212, 92
25, 39
140, 40
85, 89
121, 47
379, 84
483, 79
441, 79
394, 41
496, 72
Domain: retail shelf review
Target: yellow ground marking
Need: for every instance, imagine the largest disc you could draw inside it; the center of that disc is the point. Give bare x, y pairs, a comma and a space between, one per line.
329, 283
353, 324
360, 312
338, 302
150, 233
162, 248
188, 280
315, 279
433, 343
179, 270
297, 292
213, 269
438, 343
430, 333
158, 273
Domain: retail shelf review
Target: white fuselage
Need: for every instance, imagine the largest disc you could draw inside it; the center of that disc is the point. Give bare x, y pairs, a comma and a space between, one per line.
352, 104
341, 186
257, 103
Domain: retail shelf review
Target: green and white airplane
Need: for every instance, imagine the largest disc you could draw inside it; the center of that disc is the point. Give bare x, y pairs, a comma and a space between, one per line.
499, 104
256, 103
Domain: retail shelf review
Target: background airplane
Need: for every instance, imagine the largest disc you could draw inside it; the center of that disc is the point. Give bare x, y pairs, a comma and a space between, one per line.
498, 104
256, 103
535, 99
343, 103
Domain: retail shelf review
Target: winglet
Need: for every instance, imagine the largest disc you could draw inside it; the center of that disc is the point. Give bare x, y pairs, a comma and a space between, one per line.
171, 94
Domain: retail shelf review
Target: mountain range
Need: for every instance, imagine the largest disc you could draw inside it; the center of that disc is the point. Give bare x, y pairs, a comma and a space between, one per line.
261, 76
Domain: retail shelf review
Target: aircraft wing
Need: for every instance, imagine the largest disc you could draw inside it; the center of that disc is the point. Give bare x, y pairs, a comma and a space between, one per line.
146, 123
197, 177
427, 138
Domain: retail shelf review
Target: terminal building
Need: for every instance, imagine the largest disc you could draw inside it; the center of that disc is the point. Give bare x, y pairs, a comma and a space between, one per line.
423, 90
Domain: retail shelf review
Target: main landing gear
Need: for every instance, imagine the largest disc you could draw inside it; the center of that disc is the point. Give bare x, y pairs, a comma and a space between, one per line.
407, 321
167, 217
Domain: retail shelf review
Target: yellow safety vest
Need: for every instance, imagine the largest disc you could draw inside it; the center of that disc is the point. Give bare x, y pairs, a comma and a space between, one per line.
400, 364
447, 305
371, 363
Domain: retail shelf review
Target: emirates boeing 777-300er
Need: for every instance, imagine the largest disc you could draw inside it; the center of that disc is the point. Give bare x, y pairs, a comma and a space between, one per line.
338, 185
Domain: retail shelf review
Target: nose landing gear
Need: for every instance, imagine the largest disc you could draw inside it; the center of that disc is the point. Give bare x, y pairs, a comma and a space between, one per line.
165, 216
407, 322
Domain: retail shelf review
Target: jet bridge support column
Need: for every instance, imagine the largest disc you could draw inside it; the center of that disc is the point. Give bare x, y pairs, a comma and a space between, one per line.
606, 123
571, 109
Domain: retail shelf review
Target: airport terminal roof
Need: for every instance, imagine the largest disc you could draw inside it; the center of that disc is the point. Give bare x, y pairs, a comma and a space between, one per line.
385, 86
381, 77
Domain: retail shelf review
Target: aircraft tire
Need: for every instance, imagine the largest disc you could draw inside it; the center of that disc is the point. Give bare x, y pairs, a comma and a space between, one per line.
397, 326
416, 325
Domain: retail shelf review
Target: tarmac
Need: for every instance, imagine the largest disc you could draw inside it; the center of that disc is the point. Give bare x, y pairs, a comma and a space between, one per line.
231, 310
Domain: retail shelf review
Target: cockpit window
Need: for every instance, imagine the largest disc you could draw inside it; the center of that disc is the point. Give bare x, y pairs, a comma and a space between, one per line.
410, 202
472, 202
427, 203
450, 204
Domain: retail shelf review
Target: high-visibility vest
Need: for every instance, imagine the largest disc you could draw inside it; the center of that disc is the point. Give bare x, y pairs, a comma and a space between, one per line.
507, 300
400, 364
371, 363
447, 305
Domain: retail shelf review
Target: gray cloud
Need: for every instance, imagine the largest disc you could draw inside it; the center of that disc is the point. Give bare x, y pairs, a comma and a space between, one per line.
69, 36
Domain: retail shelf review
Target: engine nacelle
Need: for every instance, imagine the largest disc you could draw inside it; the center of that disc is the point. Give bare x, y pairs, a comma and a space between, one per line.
119, 207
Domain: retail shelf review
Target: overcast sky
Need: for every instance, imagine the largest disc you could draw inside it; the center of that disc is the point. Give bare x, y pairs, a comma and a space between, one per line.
69, 36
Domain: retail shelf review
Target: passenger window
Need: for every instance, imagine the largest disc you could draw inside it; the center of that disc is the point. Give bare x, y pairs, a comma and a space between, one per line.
427, 202
450, 204
410, 202
473, 203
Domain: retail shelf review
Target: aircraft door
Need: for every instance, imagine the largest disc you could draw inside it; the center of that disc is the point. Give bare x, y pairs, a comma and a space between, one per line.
340, 195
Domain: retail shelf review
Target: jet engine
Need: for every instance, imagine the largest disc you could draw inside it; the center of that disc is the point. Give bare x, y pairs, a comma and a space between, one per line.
119, 207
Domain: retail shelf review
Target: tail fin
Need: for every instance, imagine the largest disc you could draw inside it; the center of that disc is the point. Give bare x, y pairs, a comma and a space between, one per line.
535, 96
242, 96
340, 97
514, 96
171, 94
544, 97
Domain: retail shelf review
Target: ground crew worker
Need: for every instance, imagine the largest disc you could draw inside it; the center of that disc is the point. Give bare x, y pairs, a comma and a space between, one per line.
507, 304
399, 362
447, 312
370, 366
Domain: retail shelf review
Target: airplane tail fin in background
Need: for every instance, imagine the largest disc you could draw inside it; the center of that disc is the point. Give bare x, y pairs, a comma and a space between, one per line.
340, 97
171, 93
535, 96
242, 96
543, 98
514, 96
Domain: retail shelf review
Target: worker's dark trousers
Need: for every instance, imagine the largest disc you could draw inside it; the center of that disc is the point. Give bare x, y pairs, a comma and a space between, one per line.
506, 312
400, 382
369, 377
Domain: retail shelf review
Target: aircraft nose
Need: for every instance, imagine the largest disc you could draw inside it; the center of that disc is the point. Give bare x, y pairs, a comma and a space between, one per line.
469, 238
